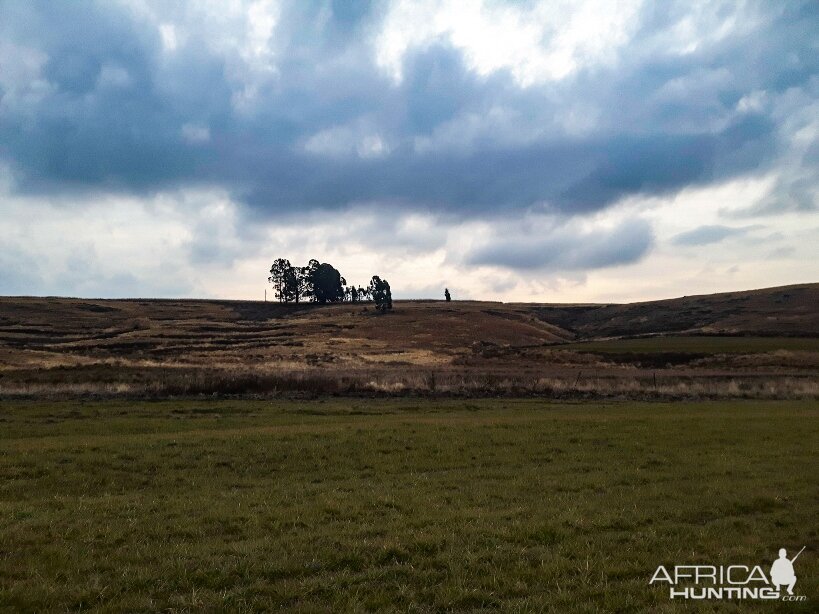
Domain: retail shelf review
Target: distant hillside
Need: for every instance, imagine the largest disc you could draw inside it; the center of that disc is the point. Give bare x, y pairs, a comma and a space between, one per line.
61, 346
161, 327
782, 311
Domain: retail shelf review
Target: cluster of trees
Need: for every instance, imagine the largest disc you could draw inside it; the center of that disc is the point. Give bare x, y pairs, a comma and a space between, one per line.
320, 282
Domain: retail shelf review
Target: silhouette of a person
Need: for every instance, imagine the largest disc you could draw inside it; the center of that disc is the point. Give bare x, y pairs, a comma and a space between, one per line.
782, 571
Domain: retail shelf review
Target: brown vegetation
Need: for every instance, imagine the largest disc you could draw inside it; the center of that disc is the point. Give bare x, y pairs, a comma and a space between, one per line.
746, 344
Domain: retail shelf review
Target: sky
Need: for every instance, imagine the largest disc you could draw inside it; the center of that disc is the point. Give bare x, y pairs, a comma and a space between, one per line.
549, 151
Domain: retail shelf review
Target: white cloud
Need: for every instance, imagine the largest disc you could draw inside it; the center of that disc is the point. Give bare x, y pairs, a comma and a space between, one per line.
540, 42
195, 133
360, 138
256, 54
169, 39
22, 84
241, 32
705, 23
753, 102
113, 76
197, 243
78, 246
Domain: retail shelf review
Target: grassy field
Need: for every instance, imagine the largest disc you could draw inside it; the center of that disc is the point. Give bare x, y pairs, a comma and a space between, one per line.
396, 504
698, 345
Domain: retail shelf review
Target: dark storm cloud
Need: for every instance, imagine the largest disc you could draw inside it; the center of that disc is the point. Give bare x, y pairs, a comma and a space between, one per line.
110, 110
104, 121
568, 249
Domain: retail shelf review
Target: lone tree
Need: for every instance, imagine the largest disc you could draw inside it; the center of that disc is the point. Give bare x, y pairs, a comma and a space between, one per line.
295, 284
324, 283
380, 291
278, 277
447, 295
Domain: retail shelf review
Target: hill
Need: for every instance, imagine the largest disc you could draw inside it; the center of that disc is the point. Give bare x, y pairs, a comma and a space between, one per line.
782, 311
139, 346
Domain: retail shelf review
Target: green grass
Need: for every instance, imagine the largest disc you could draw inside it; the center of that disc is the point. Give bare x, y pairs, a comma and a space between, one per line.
403, 505
697, 345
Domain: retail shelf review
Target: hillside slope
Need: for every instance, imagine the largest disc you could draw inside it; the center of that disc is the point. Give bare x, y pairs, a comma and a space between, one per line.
782, 311
59, 345
71, 331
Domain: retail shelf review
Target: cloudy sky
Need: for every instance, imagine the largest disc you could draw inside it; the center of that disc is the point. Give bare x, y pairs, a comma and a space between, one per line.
536, 151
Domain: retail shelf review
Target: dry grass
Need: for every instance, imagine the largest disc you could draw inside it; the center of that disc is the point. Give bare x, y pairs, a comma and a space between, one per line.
68, 347
317, 382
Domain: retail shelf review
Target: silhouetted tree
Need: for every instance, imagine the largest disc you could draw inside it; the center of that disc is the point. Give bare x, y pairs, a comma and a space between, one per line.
447, 295
295, 284
324, 283
278, 276
380, 291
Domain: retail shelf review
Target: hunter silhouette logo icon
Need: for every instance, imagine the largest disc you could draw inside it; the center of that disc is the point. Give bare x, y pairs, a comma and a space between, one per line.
782, 573
731, 581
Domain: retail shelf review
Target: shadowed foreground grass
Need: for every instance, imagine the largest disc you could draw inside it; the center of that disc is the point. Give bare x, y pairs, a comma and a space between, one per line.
373, 504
